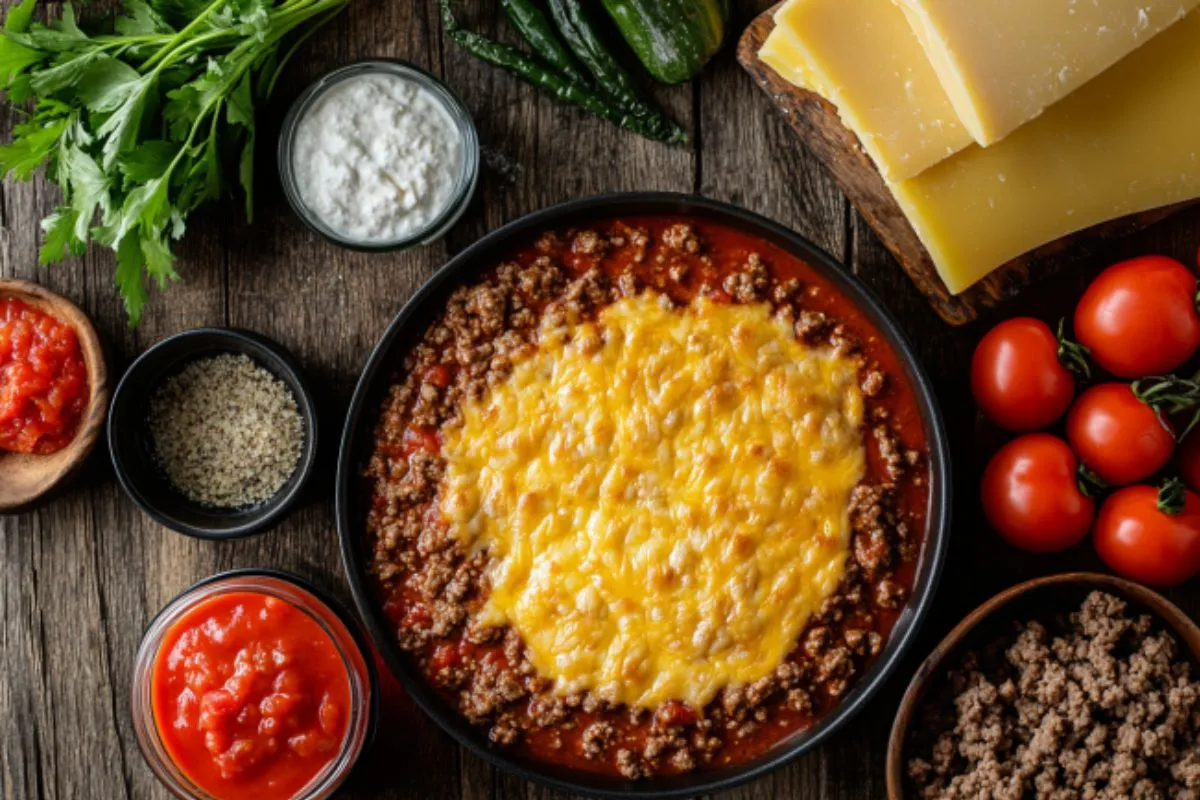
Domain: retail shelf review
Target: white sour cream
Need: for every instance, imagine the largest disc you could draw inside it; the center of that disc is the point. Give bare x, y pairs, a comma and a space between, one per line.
376, 158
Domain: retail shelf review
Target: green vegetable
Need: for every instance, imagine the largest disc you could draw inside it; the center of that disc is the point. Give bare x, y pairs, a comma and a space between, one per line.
673, 38
611, 77
144, 120
585, 43
540, 75
532, 24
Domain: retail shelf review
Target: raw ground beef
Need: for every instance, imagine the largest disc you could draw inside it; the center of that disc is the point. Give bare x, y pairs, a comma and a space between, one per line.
1099, 705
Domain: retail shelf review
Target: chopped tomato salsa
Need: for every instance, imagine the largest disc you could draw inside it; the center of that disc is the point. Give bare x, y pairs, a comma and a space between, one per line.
43, 380
251, 697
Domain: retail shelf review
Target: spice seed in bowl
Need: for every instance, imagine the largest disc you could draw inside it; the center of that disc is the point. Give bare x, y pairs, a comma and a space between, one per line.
226, 432
1100, 703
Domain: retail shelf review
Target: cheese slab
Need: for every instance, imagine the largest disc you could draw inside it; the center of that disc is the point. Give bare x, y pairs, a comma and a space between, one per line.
863, 57
1124, 143
1003, 62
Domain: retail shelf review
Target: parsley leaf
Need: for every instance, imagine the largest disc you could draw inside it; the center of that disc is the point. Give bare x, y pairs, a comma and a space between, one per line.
20, 16
60, 37
126, 98
15, 58
140, 19
32, 146
246, 175
129, 278
106, 83
67, 71
89, 188
148, 161
60, 240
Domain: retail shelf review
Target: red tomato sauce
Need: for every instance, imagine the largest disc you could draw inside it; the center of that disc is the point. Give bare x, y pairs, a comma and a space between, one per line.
251, 697
43, 380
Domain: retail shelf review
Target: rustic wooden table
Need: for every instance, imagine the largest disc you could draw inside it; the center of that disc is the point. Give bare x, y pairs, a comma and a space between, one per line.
82, 576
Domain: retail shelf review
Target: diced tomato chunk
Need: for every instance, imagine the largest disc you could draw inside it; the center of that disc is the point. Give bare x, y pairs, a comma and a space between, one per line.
419, 440
43, 380
439, 375
674, 712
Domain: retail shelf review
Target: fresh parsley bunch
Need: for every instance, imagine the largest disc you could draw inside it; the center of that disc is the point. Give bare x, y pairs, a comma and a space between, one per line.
143, 120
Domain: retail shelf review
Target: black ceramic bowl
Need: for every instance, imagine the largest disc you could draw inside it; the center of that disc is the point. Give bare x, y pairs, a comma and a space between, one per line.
132, 450
408, 326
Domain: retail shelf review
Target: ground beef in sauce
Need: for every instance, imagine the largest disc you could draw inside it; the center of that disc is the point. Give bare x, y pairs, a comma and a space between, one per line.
432, 590
1101, 705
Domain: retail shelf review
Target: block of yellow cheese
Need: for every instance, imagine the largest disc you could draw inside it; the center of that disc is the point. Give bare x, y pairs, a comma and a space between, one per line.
1126, 142
1003, 62
781, 53
863, 57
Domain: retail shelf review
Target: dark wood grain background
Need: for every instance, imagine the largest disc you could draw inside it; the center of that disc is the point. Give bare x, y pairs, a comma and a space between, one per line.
83, 575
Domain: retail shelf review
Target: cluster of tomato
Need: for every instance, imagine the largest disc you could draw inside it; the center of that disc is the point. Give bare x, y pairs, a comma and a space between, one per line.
1137, 322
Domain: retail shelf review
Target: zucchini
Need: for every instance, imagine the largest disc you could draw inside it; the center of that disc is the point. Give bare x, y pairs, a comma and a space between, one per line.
674, 39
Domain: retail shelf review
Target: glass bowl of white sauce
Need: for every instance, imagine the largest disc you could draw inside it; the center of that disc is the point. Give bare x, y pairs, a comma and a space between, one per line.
379, 156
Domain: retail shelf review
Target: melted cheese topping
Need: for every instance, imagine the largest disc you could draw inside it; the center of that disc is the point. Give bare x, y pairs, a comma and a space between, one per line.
663, 494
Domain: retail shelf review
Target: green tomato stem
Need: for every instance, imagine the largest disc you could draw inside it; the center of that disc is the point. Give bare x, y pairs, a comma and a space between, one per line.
1172, 497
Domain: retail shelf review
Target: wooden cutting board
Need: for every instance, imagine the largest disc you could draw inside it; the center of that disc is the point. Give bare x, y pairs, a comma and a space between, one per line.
821, 130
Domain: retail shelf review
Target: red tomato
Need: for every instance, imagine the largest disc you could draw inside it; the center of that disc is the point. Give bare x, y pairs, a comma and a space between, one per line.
1017, 379
1140, 541
1031, 495
1139, 317
419, 439
1187, 460
1118, 436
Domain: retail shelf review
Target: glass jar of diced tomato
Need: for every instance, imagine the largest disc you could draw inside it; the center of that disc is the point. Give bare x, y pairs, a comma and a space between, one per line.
250, 685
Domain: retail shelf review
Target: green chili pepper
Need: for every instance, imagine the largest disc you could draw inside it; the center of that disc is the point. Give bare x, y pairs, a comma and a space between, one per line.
538, 74
582, 39
612, 78
532, 24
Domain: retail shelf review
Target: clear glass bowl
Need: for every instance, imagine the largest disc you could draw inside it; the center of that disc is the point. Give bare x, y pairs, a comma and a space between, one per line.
464, 186
363, 683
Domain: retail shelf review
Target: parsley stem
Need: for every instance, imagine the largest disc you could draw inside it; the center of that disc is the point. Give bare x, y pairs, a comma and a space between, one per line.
185, 50
183, 34
336, 9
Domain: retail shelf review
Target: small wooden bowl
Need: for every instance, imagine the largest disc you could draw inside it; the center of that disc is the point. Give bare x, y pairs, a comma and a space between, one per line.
25, 479
1031, 600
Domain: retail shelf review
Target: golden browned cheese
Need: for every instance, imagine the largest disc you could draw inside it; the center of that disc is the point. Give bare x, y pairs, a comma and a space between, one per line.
663, 494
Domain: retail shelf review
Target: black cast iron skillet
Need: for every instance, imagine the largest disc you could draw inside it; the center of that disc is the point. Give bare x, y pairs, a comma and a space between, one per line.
406, 329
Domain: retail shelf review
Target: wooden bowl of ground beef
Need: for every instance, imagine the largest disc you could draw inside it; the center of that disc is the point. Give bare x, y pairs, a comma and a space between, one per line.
1071, 686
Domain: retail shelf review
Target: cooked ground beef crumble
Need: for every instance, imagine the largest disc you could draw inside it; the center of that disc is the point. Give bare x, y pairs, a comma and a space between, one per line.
1099, 706
432, 589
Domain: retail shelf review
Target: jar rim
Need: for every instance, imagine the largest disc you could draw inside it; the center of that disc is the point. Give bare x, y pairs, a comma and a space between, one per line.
465, 181
337, 624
